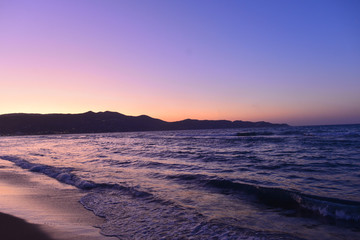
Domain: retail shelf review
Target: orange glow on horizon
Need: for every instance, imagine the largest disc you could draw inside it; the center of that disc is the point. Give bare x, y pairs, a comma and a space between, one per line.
58, 58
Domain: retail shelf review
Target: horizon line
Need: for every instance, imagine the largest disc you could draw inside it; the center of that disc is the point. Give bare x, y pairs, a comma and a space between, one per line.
90, 111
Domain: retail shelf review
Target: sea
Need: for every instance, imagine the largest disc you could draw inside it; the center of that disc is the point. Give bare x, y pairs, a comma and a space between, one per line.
260, 183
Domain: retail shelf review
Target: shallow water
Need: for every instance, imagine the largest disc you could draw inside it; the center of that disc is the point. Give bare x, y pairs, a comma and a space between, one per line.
274, 183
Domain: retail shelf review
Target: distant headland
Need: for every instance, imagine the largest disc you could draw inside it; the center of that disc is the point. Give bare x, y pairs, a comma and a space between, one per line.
102, 122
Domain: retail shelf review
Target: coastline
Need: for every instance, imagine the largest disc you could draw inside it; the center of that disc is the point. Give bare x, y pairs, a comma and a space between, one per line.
34, 206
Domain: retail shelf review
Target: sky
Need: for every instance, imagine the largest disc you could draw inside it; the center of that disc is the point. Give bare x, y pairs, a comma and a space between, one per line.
283, 61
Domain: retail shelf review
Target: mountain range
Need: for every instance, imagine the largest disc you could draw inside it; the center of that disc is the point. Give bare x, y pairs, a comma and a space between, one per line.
101, 122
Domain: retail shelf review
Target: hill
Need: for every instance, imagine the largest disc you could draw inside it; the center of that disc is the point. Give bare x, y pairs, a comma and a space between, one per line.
90, 122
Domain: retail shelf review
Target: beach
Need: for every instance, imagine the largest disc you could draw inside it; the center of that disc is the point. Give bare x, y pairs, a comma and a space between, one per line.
34, 206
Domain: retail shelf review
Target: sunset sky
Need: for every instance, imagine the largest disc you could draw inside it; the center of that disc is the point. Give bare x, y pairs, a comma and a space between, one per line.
280, 61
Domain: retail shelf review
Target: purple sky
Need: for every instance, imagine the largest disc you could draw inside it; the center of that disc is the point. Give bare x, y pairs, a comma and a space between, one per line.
281, 61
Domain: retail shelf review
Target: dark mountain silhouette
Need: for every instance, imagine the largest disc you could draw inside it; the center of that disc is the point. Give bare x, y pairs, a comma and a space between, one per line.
90, 122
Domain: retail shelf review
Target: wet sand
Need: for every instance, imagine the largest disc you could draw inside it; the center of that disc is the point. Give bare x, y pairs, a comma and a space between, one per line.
34, 206
13, 228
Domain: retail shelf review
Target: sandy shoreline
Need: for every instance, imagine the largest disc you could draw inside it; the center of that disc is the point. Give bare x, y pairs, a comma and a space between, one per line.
34, 206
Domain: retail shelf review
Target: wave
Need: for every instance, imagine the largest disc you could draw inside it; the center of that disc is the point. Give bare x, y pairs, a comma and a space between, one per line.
65, 175
157, 165
355, 134
334, 208
327, 207
277, 197
291, 132
141, 215
252, 134
129, 218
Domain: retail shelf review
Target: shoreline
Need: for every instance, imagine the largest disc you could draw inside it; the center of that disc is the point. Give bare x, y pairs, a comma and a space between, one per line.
34, 206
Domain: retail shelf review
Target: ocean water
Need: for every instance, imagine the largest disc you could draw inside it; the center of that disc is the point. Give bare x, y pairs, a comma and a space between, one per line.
273, 183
